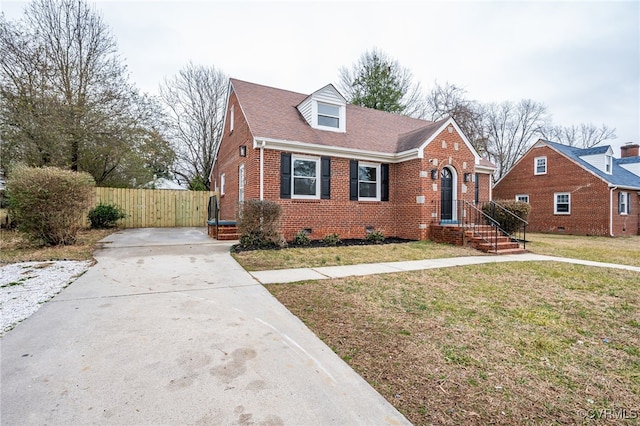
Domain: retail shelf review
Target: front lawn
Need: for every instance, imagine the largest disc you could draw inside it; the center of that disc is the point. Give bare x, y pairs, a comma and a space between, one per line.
260, 260
624, 250
520, 343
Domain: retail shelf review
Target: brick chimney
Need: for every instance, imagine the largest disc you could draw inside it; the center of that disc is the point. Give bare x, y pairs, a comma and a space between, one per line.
629, 150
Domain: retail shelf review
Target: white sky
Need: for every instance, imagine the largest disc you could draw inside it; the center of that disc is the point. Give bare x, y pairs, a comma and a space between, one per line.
580, 58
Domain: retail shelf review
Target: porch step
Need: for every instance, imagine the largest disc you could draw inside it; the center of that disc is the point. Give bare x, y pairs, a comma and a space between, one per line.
227, 233
224, 232
503, 245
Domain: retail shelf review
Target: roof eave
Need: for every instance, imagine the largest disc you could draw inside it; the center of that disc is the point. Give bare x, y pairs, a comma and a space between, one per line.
335, 151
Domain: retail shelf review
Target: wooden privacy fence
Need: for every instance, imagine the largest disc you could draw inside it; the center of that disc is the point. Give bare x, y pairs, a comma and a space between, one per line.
155, 208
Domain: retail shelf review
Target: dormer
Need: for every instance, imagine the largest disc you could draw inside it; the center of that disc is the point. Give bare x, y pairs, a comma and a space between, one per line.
600, 157
325, 109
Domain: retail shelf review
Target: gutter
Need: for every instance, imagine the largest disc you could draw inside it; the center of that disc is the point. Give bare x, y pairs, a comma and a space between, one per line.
611, 189
334, 151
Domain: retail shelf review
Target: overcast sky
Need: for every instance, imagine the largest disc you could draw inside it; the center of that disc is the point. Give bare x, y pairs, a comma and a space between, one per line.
580, 58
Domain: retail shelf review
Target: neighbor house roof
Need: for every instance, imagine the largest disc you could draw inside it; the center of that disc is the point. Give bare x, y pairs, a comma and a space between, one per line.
619, 176
366, 129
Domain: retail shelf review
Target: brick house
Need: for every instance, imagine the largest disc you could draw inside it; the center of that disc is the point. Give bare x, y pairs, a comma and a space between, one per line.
577, 191
340, 168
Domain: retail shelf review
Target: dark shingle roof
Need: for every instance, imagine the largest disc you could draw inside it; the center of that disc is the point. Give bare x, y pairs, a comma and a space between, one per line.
366, 129
619, 176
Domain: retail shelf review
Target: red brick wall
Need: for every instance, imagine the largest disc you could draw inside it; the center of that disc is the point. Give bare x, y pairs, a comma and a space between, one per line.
229, 160
626, 224
589, 195
401, 216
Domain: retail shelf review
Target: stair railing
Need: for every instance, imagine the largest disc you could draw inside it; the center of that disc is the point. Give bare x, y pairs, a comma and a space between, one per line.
476, 220
520, 234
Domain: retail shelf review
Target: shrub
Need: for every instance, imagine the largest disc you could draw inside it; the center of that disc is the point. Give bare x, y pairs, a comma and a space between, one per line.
507, 222
376, 237
105, 216
301, 238
49, 203
331, 239
258, 223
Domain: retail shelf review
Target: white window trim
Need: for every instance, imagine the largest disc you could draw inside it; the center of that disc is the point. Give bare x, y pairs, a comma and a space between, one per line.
625, 211
518, 196
241, 183
535, 166
222, 182
232, 117
341, 117
608, 164
555, 203
378, 181
293, 176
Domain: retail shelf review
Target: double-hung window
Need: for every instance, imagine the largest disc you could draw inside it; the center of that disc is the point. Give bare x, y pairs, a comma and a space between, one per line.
562, 204
623, 203
328, 115
608, 164
540, 166
368, 181
306, 182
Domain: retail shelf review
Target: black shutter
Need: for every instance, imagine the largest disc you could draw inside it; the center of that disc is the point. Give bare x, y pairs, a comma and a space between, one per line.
384, 182
285, 175
325, 183
353, 180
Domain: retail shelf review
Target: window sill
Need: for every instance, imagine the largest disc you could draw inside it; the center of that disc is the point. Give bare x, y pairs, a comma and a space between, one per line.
305, 200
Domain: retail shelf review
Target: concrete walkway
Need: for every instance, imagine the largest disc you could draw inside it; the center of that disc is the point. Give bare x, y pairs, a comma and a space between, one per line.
167, 329
327, 272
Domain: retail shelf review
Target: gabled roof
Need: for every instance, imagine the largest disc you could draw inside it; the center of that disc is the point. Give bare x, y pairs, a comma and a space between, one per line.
619, 176
596, 150
366, 129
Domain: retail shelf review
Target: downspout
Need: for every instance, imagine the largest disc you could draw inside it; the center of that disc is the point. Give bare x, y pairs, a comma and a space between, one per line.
262, 144
613, 188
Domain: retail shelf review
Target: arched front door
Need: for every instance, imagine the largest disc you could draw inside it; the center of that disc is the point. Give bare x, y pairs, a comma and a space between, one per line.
446, 195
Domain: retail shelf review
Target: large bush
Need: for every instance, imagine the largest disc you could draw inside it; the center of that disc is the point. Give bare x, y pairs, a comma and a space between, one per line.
507, 221
48, 203
258, 224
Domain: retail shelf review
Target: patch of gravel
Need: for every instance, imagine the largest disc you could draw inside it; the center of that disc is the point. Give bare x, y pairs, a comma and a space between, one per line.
25, 286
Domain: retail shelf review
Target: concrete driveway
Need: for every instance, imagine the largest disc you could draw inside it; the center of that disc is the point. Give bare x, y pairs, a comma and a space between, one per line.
168, 329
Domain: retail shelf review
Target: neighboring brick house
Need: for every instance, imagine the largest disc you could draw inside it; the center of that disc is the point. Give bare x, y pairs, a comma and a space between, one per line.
340, 168
577, 191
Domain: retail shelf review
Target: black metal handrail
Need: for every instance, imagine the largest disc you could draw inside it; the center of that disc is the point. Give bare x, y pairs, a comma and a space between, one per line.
476, 221
520, 234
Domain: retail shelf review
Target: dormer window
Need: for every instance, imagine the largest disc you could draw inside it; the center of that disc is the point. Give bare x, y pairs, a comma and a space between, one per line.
325, 109
328, 115
608, 164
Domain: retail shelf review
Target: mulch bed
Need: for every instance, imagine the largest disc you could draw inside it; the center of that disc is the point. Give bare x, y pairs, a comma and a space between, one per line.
320, 243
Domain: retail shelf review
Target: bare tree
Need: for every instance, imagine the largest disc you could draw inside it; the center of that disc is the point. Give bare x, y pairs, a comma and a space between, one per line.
510, 129
65, 97
583, 135
195, 98
449, 100
380, 82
